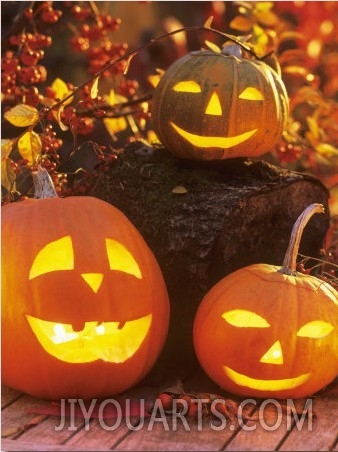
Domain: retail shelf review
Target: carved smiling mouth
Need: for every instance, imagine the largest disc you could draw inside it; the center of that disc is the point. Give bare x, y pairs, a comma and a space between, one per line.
109, 341
213, 142
265, 385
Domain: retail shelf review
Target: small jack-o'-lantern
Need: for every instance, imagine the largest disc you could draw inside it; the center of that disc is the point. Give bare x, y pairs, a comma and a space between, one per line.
214, 106
263, 331
85, 309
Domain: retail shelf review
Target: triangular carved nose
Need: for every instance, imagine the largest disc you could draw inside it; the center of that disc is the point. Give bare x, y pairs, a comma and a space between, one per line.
274, 355
94, 280
214, 106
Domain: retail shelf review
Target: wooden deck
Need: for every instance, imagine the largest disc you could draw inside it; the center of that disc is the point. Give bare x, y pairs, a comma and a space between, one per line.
30, 424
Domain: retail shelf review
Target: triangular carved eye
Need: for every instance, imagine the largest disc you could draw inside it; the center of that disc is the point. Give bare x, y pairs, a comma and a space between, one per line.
251, 93
55, 256
315, 329
245, 319
188, 86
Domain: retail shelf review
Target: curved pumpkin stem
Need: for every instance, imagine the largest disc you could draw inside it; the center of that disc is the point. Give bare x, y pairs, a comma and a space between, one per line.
43, 184
290, 259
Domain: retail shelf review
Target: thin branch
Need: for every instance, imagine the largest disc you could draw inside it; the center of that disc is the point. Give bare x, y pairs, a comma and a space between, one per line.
131, 53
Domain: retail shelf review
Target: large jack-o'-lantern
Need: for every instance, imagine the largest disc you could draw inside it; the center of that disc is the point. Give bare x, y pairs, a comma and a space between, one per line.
214, 106
85, 310
263, 331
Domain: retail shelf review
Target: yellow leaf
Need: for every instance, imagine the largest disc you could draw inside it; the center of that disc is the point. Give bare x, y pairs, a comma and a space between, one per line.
179, 190
152, 137
6, 147
262, 7
327, 150
29, 146
296, 70
115, 125
208, 22
241, 23
212, 46
61, 90
7, 171
113, 98
94, 90
267, 18
22, 115
127, 65
313, 127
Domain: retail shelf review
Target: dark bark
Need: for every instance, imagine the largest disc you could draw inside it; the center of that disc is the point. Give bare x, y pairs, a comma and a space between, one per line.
234, 213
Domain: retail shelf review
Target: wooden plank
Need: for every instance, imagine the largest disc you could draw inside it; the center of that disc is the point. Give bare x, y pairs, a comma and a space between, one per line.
324, 428
272, 426
17, 415
15, 445
176, 433
101, 435
46, 433
8, 395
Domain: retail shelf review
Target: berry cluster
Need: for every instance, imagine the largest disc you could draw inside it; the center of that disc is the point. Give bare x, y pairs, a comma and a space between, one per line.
23, 82
94, 40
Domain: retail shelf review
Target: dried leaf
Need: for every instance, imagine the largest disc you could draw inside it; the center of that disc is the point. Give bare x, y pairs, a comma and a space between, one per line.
127, 65
179, 190
57, 116
94, 89
22, 115
9, 431
176, 388
241, 23
208, 22
29, 146
288, 35
212, 46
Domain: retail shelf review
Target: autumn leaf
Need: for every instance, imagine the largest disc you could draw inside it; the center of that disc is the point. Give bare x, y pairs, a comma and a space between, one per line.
241, 23
61, 90
29, 147
327, 150
115, 125
208, 22
179, 190
212, 46
94, 89
22, 115
7, 171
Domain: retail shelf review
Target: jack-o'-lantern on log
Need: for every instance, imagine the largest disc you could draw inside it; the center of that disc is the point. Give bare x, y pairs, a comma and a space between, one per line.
216, 105
85, 309
266, 331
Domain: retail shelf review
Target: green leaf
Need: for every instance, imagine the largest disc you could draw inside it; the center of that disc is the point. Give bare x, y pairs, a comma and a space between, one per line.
22, 115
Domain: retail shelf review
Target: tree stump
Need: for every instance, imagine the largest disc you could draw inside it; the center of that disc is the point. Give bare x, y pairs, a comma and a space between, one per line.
204, 220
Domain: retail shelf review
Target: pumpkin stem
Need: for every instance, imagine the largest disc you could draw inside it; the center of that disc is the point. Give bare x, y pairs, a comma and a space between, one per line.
290, 259
43, 184
232, 49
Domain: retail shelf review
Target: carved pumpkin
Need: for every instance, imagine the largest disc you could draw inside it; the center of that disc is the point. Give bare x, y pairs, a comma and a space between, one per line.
214, 106
265, 331
85, 310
